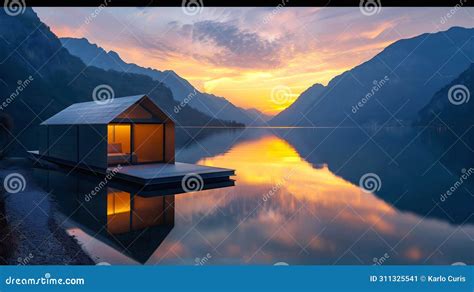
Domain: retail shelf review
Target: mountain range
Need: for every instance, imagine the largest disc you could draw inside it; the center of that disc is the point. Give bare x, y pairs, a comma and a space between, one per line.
212, 105
38, 78
389, 89
407, 83
450, 105
305, 101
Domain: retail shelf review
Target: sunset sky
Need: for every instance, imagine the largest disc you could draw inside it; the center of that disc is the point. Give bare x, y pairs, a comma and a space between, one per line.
242, 54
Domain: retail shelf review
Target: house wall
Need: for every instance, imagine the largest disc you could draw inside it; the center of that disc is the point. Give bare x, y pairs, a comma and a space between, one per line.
83, 144
169, 143
43, 141
62, 142
93, 145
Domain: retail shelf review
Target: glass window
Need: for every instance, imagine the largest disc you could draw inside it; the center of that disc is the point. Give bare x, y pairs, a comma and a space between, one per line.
118, 143
148, 142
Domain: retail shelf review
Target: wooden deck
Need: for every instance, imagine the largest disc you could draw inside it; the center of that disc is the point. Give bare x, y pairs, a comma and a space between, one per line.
161, 173
155, 174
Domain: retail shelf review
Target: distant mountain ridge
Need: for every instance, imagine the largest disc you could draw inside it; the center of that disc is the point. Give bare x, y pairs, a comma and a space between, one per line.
299, 106
212, 105
391, 88
452, 105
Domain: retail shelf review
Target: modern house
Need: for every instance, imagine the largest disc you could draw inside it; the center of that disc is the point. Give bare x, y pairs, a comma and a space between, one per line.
132, 132
127, 131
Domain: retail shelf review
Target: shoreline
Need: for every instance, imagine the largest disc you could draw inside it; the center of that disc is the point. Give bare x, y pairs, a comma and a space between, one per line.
30, 228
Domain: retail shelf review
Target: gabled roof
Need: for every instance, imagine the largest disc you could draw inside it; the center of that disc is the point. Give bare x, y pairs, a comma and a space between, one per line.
92, 112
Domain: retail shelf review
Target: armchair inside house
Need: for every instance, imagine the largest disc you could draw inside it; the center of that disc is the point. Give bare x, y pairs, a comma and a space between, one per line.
116, 155
118, 145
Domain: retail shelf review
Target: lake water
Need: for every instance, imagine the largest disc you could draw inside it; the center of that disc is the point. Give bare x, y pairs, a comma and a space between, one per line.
298, 199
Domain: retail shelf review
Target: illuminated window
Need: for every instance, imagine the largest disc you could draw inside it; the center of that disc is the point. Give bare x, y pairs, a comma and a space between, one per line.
118, 143
148, 142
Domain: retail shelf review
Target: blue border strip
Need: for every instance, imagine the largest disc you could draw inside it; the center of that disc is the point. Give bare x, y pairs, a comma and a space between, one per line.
238, 278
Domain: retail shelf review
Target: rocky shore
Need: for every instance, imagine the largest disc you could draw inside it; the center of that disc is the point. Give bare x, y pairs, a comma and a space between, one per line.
29, 230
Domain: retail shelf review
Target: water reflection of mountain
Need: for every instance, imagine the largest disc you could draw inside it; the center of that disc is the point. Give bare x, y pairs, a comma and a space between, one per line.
325, 167
416, 165
283, 208
193, 144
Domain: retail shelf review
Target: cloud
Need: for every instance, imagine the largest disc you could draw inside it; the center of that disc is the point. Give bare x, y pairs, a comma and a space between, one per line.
236, 47
242, 53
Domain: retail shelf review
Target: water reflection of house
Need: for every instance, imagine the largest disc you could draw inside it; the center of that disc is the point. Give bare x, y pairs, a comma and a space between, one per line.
126, 213
129, 222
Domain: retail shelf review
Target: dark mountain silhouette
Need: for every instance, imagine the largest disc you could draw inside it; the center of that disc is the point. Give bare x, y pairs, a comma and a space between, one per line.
212, 105
393, 86
309, 97
38, 78
451, 106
